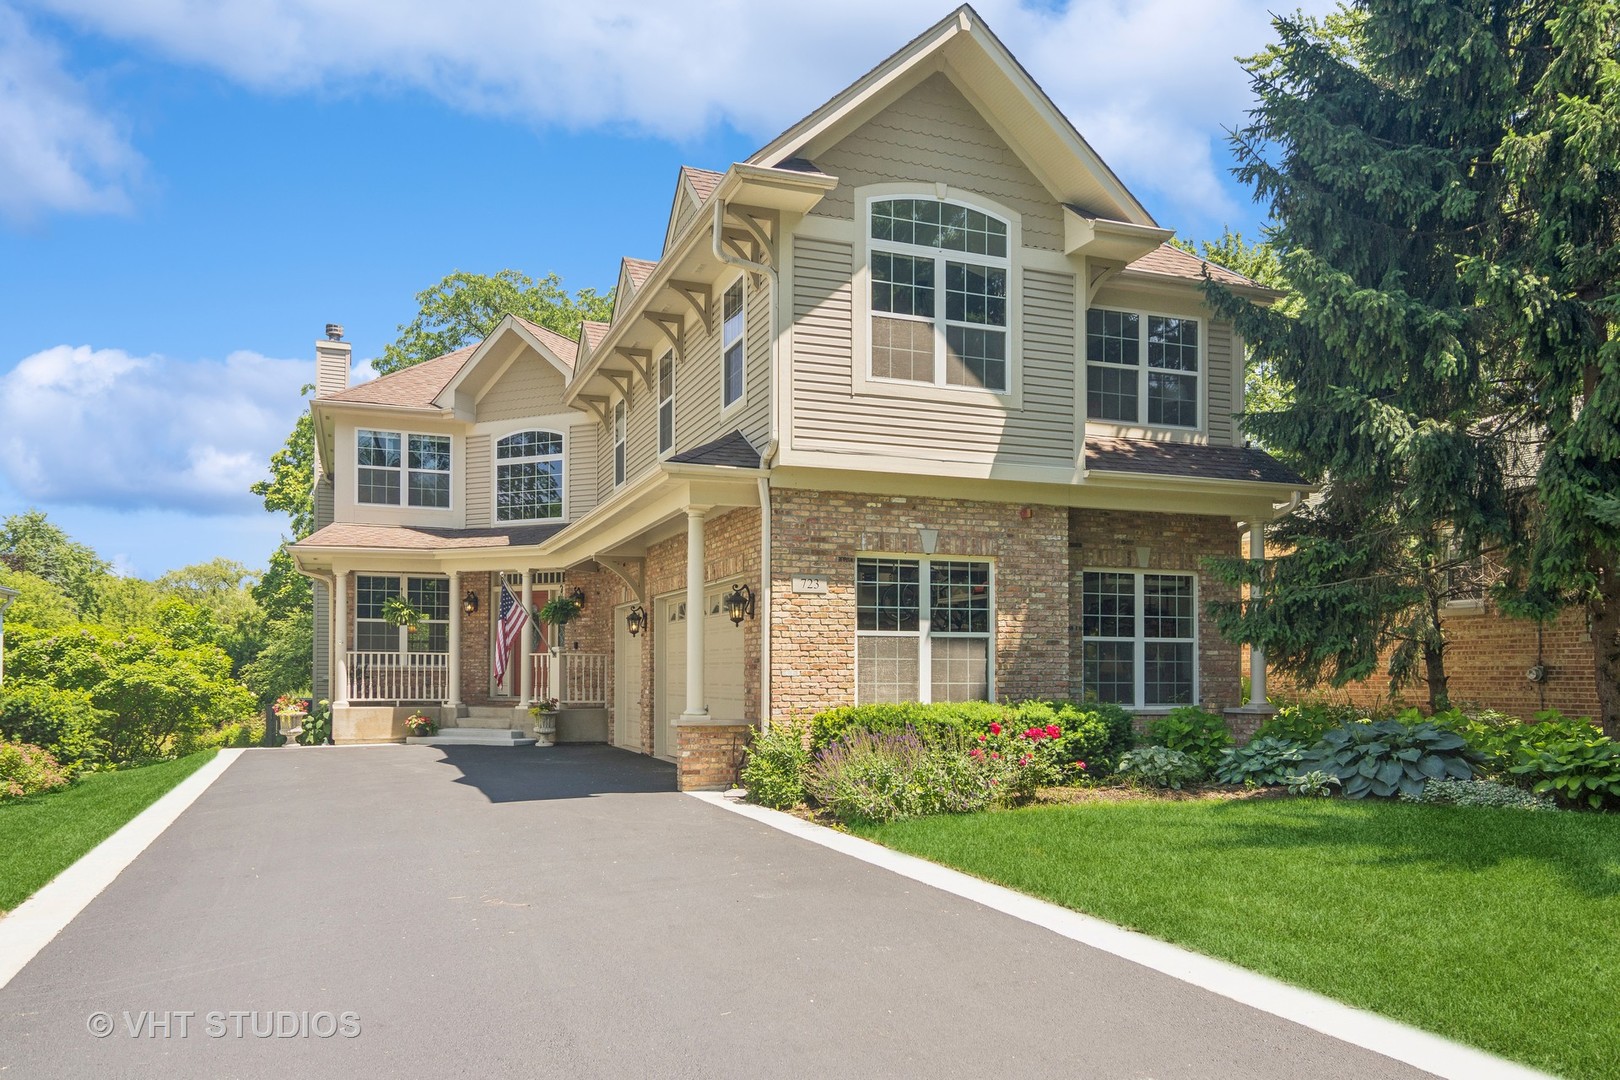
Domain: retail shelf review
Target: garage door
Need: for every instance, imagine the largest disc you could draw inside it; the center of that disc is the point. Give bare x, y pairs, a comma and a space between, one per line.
626, 683
722, 668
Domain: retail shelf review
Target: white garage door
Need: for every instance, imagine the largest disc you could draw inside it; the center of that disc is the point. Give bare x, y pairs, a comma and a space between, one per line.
626, 683
722, 667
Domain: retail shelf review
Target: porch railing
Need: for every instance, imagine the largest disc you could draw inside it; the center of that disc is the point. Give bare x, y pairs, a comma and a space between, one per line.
392, 676
541, 662
583, 679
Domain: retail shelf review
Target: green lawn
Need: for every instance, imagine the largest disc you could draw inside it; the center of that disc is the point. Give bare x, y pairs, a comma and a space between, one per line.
1499, 928
45, 834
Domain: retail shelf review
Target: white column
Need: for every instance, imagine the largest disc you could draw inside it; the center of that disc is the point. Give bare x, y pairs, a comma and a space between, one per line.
452, 673
1257, 655
526, 672
696, 699
340, 638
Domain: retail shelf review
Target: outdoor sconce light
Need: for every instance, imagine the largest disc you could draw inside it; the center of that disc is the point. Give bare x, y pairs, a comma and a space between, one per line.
578, 597
469, 603
636, 620
740, 604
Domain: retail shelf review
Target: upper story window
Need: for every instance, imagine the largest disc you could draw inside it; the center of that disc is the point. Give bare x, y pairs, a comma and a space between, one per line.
939, 294
666, 403
619, 433
1126, 366
733, 361
421, 473
529, 476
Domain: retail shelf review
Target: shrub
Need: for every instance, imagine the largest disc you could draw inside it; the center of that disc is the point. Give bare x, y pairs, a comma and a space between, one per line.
1479, 793
773, 771
1581, 771
26, 769
1198, 734
1305, 722
1315, 784
1501, 738
1262, 763
1160, 766
1092, 735
239, 733
937, 723
64, 722
1384, 757
884, 776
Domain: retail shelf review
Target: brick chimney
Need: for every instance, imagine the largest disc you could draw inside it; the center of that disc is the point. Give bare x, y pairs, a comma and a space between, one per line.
332, 359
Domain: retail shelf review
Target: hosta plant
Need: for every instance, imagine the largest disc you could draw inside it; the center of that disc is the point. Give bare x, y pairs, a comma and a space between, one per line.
1314, 784
1582, 771
1196, 733
1262, 763
1160, 766
1385, 758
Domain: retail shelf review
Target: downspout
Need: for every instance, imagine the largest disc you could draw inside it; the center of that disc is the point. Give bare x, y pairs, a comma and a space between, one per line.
766, 459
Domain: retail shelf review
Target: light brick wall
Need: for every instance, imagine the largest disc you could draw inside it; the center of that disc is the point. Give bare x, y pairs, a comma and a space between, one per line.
710, 755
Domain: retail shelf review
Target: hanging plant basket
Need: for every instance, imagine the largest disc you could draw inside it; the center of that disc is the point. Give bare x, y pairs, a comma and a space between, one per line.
398, 612
559, 610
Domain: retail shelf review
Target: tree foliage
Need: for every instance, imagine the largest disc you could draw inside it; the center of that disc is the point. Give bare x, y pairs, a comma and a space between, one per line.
31, 543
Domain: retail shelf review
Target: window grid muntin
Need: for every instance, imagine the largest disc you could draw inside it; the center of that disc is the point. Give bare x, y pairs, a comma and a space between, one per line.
1143, 368
666, 403
395, 468
897, 228
924, 602
620, 433
529, 476
1139, 631
732, 346
429, 595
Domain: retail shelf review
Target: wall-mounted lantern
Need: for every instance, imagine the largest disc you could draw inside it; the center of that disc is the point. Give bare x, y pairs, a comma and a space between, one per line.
636, 620
740, 604
469, 603
578, 597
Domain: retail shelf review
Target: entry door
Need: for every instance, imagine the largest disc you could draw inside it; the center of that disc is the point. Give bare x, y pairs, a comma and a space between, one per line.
626, 683
532, 640
722, 659
669, 671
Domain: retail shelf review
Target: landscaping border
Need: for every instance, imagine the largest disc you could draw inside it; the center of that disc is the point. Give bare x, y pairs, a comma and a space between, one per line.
1401, 1042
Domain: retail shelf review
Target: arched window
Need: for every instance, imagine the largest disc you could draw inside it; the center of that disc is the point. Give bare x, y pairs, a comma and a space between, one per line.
939, 293
529, 477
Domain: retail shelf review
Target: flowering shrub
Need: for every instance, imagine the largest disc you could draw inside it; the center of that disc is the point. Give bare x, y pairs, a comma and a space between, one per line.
26, 769
418, 725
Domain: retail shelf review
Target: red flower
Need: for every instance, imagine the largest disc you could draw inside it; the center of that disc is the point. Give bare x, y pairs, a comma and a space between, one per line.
975, 752
1024, 760
1034, 734
995, 755
995, 728
1053, 731
1081, 764
983, 736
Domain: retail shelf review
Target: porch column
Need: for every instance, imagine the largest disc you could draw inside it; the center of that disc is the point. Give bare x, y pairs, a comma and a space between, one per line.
526, 671
1257, 655
340, 638
452, 693
696, 707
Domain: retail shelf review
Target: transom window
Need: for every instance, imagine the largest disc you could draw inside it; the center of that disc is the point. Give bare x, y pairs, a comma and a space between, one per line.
734, 363
529, 477
1139, 633
923, 630
666, 403
939, 294
619, 435
1125, 367
421, 473
372, 633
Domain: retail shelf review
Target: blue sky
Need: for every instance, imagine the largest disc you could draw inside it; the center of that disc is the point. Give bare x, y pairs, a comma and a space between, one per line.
190, 190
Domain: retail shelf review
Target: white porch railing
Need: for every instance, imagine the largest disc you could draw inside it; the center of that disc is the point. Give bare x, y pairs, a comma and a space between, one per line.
392, 676
541, 662
583, 679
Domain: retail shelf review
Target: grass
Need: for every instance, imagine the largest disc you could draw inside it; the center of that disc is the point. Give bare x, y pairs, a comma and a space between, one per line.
1498, 928
45, 834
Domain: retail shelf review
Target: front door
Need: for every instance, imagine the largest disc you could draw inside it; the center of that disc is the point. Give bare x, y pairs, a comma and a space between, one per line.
533, 640
669, 671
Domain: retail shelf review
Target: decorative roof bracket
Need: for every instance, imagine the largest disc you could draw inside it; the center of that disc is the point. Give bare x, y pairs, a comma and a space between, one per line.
598, 405
697, 294
673, 327
641, 360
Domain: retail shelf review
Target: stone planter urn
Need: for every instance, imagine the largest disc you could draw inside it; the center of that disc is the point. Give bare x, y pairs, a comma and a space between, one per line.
292, 724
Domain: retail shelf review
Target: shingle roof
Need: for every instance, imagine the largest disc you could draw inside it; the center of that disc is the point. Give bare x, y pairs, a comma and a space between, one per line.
564, 346
414, 386
638, 271
1188, 459
1171, 261
593, 332
417, 538
732, 450
703, 181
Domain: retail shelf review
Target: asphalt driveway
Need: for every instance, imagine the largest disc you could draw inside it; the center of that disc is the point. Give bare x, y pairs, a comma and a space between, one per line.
489, 912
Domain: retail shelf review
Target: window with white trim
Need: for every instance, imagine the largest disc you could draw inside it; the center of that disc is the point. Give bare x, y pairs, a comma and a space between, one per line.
619, 434
1139, 636
421, 473
923, 630
1134, 357
529, 476
734, 360
939, 294
666, 403
429, 595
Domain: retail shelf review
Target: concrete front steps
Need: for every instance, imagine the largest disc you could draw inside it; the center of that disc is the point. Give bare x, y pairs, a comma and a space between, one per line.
473, 737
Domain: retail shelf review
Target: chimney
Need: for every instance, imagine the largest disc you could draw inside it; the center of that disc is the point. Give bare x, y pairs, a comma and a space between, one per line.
332, 358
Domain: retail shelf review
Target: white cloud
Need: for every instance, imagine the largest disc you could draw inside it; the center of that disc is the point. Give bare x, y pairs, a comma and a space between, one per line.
1150, 83
99, 427
56, 151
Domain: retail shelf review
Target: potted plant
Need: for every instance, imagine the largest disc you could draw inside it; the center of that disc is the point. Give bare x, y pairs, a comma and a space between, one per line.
420, 726
543, 707
397, 611
559, 610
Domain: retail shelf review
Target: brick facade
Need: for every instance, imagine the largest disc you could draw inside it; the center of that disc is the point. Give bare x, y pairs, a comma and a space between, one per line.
710, 756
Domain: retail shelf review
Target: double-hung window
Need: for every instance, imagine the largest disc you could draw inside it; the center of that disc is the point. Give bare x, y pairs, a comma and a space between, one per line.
666, 403
732, 347
1139, 635
619, 435
429, 595
939, 294
1134, 358
923, 629
421, 473
529, 476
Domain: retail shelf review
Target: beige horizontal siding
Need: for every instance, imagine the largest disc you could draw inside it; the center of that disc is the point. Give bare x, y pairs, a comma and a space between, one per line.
1218, 385
480, 480
530, 387
932, 134
581, 467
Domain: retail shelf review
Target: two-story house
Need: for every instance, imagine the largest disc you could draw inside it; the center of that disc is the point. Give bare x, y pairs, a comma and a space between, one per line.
915, 404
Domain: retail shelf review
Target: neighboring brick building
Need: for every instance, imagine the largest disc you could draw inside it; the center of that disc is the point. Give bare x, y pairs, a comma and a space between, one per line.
917, 403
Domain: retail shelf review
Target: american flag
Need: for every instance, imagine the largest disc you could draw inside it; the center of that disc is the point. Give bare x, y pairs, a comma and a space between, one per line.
513, 619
